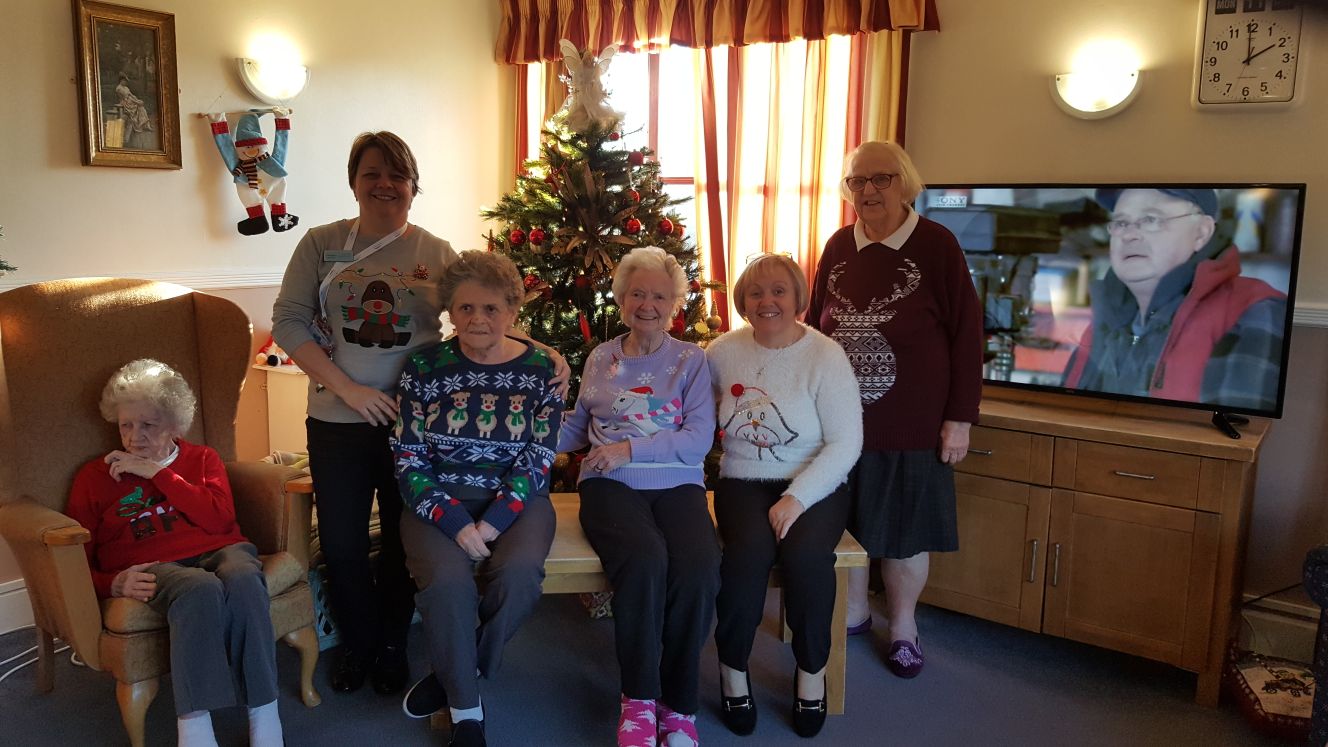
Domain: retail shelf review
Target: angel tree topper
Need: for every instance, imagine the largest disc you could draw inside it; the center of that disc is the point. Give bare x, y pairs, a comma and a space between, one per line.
587, 103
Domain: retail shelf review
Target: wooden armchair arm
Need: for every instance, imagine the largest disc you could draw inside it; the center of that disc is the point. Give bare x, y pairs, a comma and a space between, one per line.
49, 548
272, 518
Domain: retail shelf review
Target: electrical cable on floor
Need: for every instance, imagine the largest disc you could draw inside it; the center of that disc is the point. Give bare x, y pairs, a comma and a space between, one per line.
1262, 597
5, 676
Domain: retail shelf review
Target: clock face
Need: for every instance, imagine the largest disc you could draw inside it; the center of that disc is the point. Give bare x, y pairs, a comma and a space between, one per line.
1250, 54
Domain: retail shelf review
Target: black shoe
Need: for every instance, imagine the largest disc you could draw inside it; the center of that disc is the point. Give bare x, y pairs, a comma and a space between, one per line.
739, 714
424, 698
468, 733
285, 222
390, 672
252, 226
349, 674
808, 715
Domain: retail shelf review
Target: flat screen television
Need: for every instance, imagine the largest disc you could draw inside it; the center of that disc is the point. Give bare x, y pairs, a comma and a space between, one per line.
1062, 271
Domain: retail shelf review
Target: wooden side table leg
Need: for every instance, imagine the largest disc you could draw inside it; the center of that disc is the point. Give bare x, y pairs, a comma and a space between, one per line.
45, 661
836, 667
1209, 687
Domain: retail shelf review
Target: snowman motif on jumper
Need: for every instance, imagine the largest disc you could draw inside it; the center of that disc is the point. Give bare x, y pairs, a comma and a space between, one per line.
757, 420
639, 410
859, 333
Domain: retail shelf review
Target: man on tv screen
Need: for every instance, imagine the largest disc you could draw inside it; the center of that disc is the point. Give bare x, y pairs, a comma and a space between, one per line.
1173, 318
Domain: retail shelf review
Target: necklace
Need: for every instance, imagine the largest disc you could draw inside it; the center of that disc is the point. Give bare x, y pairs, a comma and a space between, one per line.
770, 358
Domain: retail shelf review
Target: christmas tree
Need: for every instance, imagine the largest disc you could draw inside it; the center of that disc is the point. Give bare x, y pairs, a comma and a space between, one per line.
577, 209
5, 266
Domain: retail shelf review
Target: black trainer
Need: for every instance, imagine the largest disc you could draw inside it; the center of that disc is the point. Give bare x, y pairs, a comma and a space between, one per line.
391, 672
468, 733
424, 698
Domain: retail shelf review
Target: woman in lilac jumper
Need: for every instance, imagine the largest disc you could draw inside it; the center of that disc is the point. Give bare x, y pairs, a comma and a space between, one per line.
647, 411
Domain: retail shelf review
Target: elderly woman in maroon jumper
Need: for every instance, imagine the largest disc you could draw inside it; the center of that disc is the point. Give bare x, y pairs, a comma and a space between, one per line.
894, 290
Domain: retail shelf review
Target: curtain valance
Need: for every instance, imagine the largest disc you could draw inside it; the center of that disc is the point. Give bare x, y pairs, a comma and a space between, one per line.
531, 29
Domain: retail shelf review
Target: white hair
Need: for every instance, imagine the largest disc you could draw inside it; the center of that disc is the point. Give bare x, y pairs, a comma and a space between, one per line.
155, 383
649, 258
910, 183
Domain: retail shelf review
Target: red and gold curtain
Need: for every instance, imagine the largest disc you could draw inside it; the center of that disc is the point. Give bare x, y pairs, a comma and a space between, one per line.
530, 30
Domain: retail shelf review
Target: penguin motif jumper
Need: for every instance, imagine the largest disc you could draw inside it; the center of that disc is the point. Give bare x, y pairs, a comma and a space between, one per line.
464, 432
662, 404
790, 413
379, 310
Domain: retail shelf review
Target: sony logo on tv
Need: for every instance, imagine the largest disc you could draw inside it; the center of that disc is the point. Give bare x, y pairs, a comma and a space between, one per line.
948, 201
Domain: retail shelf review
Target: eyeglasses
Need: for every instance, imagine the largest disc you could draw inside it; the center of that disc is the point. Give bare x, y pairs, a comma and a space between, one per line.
1146, 224
879, 181
753, 257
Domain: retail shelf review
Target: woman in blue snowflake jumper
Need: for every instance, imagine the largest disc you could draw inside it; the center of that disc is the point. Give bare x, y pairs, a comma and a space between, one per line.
647, 411
474, 443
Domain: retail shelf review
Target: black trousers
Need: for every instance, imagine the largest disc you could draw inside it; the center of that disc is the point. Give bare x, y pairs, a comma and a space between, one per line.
659, 551
806, 555
350, 463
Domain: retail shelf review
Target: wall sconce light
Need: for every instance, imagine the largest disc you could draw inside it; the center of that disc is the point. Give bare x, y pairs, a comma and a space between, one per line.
272, 82
1095, 95
1105, 80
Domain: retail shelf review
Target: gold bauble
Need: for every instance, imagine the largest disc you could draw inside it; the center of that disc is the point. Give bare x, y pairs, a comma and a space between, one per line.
701, 328
713, 321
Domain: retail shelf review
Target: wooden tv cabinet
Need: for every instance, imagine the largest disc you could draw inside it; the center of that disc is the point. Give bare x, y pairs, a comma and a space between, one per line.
1118, 525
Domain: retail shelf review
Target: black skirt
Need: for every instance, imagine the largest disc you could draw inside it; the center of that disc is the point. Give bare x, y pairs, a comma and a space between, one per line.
903, 504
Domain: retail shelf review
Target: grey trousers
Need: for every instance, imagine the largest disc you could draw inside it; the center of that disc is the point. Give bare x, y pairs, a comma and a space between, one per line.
223, 650
450, 599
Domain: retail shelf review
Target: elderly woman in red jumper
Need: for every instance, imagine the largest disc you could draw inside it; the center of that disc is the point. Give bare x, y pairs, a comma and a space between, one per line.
163, 530
894, 290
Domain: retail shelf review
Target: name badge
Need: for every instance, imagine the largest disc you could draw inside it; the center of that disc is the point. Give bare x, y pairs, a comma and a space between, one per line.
338, 255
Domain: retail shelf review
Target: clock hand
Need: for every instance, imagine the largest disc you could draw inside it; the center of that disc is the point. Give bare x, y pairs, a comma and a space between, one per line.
1261, 51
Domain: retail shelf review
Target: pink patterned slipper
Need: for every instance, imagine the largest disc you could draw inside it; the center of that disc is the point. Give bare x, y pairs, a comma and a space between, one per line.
905, 659
677, 729
636, 724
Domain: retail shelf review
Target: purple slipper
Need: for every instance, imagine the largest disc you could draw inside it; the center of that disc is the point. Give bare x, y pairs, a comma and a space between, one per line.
905, 659
861, 627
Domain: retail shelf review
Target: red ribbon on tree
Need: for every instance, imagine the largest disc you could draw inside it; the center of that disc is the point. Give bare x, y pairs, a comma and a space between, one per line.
585, 325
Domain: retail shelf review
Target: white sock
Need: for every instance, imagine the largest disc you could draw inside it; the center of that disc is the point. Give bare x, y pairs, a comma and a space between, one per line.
265, 726
468, 714
195, 730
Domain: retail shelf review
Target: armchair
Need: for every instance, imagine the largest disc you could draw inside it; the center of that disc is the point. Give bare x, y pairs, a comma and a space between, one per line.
59, 343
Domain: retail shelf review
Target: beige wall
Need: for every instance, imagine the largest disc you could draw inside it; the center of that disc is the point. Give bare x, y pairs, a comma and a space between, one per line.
980, 109
422, 68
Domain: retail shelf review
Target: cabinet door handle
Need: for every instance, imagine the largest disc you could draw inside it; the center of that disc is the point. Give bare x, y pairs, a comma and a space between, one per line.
1032, 563
1055, 564
1135, 475
980, 452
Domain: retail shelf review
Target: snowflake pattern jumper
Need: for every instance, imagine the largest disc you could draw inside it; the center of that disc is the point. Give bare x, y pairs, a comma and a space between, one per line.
469, 430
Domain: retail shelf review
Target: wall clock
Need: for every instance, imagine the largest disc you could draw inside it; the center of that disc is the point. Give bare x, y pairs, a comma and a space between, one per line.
1250, 55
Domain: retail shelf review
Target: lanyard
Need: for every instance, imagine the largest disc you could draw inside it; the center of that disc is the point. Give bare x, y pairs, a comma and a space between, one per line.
362, 255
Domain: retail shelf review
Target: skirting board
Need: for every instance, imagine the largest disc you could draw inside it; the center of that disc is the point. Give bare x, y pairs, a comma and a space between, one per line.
15, 611
1281, 629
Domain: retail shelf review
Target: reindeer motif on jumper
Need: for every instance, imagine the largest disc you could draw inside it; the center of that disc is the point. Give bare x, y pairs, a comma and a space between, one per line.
516, 415
487, 420
639, 410
539, 428
417, 419
859, 333
457, 416
434, 409
758, 421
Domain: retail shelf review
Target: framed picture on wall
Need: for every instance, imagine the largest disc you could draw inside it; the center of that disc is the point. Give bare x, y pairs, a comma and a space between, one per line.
129, 107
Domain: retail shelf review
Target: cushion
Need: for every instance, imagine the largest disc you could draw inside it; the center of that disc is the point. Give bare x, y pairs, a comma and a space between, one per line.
1275, 695
122, 615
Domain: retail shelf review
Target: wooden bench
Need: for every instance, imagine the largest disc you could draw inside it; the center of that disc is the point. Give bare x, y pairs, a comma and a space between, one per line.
573, 567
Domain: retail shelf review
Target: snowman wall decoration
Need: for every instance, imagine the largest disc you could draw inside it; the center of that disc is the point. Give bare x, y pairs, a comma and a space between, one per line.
259, 175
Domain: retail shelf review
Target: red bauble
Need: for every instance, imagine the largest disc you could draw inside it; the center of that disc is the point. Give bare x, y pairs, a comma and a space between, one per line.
679, 323
585, 326
582, 281
679, 230
695, 285
633, 195
665, 227
632, 226
636, 158
530, 281
546, 293
517, 237
538, 235
614, 135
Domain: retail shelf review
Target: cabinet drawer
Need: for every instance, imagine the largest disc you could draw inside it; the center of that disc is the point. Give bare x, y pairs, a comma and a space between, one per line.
1127, 472
1009, 455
